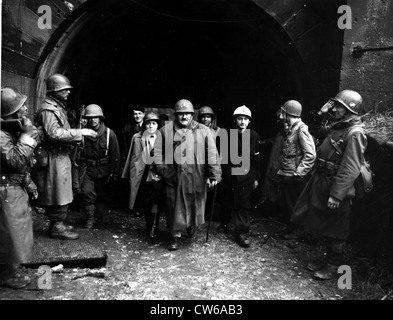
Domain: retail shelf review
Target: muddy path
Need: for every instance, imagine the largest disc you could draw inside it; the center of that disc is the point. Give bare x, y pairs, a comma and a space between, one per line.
271, 269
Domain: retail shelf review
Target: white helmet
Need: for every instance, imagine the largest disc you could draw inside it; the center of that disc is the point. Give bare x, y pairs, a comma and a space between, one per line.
242, 111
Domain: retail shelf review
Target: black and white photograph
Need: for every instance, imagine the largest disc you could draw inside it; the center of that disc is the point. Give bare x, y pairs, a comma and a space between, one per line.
196, 157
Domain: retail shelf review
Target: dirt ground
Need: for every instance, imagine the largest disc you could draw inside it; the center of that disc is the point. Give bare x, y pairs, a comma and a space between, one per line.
271, 269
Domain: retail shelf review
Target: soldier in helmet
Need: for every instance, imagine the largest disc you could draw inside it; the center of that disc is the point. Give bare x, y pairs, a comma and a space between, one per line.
17, 145
99, 166
185, 155
54, 175
297, 160
207, 117
324, 205
242, 176
146, 186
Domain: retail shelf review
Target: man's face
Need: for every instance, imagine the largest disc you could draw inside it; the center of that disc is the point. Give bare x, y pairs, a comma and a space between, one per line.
94, 122
183, 118
206, 119
138, 116
242, 122
22, 112
63, 94
338, 111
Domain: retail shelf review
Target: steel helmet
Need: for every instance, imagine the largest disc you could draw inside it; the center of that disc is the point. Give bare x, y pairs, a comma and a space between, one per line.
11, 101
183, 106
242, 111
350, 99
292, 107
92, 111
205, 110
150, 116
57, 82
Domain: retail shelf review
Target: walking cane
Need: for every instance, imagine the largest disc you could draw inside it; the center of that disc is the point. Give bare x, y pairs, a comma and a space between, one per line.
211, 213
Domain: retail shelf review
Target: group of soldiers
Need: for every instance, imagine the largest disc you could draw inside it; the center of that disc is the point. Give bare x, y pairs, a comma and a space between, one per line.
174, 166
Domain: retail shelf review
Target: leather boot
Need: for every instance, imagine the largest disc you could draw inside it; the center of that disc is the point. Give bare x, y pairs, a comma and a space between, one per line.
10, 277
334, 258
101, 213
59, 231
152, 225
242, 240
68, 227
174, 243
89, 216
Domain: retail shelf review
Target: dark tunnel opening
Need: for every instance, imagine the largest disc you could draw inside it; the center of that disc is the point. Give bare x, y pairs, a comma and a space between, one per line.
126, 56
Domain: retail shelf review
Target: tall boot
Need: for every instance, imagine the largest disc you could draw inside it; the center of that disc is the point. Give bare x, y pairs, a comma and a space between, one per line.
334, 258
152, 225
101, 213
60, 231
89, 216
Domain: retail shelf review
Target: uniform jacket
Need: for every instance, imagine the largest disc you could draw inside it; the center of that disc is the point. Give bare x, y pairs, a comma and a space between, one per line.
186, 161
16, 229
54, 182
311, 209
240, 174
106, 157
298, 151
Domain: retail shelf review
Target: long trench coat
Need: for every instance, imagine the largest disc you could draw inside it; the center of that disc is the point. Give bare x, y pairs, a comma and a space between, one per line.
135, 166
16, 226
186, 160
54, 182
311, 209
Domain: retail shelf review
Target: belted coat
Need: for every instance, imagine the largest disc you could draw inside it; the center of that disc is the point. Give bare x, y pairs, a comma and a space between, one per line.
311, 210
185, 160
54, 181
16, 227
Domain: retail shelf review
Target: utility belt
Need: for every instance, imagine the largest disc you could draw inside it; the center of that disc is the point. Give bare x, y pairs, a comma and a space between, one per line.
94, 162
59, 149
11, 179
326, 167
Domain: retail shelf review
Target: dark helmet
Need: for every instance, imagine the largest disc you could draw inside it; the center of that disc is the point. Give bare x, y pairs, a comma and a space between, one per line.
350, 99
11, 101
183, 106
151, 116
57, 82
292, 107
92, 111
205, 110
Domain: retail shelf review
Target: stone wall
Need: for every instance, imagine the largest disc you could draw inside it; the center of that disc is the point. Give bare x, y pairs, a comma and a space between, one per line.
369, 72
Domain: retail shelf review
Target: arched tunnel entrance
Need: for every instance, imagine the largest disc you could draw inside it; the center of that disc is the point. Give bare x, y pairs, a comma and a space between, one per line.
119, 53
124, 54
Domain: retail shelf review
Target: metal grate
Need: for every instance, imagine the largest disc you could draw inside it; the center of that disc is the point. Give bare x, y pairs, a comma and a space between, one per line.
83, 252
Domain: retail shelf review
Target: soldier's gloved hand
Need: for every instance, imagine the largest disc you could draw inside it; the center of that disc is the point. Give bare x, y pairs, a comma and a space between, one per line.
89, 132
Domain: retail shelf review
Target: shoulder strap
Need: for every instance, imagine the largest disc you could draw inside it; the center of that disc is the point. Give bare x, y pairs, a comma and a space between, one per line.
107, 140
